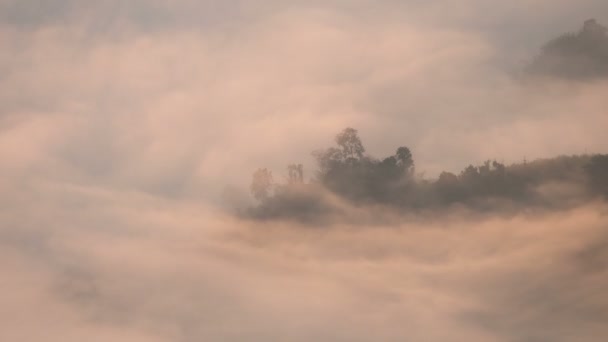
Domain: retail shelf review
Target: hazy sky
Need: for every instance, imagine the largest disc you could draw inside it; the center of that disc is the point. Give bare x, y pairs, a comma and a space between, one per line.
121, 121
183, 97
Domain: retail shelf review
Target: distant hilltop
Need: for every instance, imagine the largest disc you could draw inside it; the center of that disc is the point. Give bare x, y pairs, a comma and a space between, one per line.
347, 176
577, 55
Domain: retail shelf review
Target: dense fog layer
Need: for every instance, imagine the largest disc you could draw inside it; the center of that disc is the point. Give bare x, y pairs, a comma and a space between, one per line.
128, 128
91, 264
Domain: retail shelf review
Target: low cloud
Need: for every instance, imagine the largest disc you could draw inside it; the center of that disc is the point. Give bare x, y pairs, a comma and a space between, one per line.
101, 264
122, 123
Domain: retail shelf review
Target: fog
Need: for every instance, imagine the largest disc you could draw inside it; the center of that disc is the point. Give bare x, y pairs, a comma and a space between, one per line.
129, 131
184, 105
87, 263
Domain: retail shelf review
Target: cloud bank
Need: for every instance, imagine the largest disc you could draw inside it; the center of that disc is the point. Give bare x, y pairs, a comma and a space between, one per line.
94, 264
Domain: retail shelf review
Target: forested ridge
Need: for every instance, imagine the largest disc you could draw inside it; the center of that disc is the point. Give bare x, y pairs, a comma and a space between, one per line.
346, 172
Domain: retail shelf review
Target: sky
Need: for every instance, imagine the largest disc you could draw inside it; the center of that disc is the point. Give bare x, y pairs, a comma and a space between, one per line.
182, 98
123, 122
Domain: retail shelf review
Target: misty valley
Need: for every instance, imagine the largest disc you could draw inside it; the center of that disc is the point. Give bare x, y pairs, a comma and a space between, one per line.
297, 171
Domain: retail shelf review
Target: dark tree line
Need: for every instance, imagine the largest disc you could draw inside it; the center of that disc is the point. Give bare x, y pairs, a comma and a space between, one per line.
597, 170
347, 172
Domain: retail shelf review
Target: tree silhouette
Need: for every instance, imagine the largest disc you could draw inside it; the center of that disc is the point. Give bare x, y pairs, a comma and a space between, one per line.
351, 145
261, 184
597, 171
295, 173
405, 160
345, 171
580, 55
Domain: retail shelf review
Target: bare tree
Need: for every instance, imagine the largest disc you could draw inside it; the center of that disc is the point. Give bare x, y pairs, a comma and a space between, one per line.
296, 173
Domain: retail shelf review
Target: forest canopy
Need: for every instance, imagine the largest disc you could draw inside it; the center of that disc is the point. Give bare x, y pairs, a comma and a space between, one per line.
577, 55
347, 173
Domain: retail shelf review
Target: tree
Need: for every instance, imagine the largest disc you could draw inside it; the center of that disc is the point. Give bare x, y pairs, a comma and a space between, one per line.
296, 173
351, 145
447, 178
261, 184
597, 173
405, 160
448, 187
327, 159
470, 174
